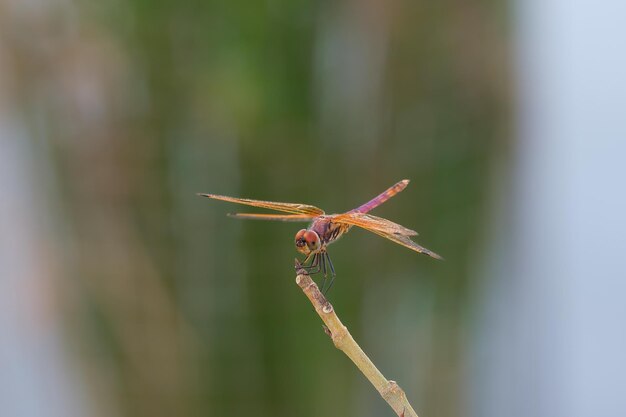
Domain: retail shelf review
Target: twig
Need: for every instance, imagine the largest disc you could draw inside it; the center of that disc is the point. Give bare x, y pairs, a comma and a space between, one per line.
341, 337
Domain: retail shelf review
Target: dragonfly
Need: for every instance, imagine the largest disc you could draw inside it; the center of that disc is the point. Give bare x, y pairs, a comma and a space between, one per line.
325, 229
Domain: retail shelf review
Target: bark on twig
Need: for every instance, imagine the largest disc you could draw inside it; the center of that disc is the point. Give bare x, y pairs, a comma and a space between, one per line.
341, 337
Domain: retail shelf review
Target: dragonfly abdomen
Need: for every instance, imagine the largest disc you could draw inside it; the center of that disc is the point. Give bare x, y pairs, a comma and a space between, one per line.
381, 198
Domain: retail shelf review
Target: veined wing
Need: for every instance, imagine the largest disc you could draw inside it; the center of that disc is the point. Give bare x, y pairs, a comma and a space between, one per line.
278, 217
385, 228
293, 208
407, 242
373, 223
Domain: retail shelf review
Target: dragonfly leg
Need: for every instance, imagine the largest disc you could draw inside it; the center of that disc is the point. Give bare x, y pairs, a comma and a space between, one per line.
314, 267
332, 273
330, 284
323, 262
330, 263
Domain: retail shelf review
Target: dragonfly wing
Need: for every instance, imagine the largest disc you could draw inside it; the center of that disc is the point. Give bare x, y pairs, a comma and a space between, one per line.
373, 223
385, 228
293, 208
277, 217
407, 242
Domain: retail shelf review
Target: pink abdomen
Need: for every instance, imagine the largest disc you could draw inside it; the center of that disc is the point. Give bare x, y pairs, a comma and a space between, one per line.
381, 198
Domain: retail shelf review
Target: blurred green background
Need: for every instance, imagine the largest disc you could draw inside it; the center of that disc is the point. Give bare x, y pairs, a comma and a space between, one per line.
169, 307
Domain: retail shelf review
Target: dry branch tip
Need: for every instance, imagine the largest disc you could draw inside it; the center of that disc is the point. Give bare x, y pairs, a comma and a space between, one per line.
343, 340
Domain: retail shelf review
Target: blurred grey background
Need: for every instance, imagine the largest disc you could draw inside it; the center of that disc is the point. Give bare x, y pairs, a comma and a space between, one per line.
122, 293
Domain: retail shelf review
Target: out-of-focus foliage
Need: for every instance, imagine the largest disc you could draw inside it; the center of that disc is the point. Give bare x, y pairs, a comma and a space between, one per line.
175, 309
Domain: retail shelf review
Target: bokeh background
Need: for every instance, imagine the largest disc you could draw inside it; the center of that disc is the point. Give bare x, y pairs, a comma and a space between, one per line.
122, 293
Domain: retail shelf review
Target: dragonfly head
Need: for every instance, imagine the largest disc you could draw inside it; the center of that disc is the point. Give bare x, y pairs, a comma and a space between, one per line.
307, 242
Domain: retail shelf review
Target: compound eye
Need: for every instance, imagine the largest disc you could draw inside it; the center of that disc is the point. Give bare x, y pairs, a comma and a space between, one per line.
300, 236
312, 240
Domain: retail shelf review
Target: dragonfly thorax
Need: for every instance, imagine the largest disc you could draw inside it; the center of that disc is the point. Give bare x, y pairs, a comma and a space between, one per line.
328, 230
307, 242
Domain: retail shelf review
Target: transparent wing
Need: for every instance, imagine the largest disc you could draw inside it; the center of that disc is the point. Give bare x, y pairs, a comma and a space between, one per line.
373, 223
407, 242
276, 217
292, 208
385, 228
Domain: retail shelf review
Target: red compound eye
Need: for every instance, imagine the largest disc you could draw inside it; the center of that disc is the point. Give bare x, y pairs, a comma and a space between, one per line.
312, 240
300, 239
